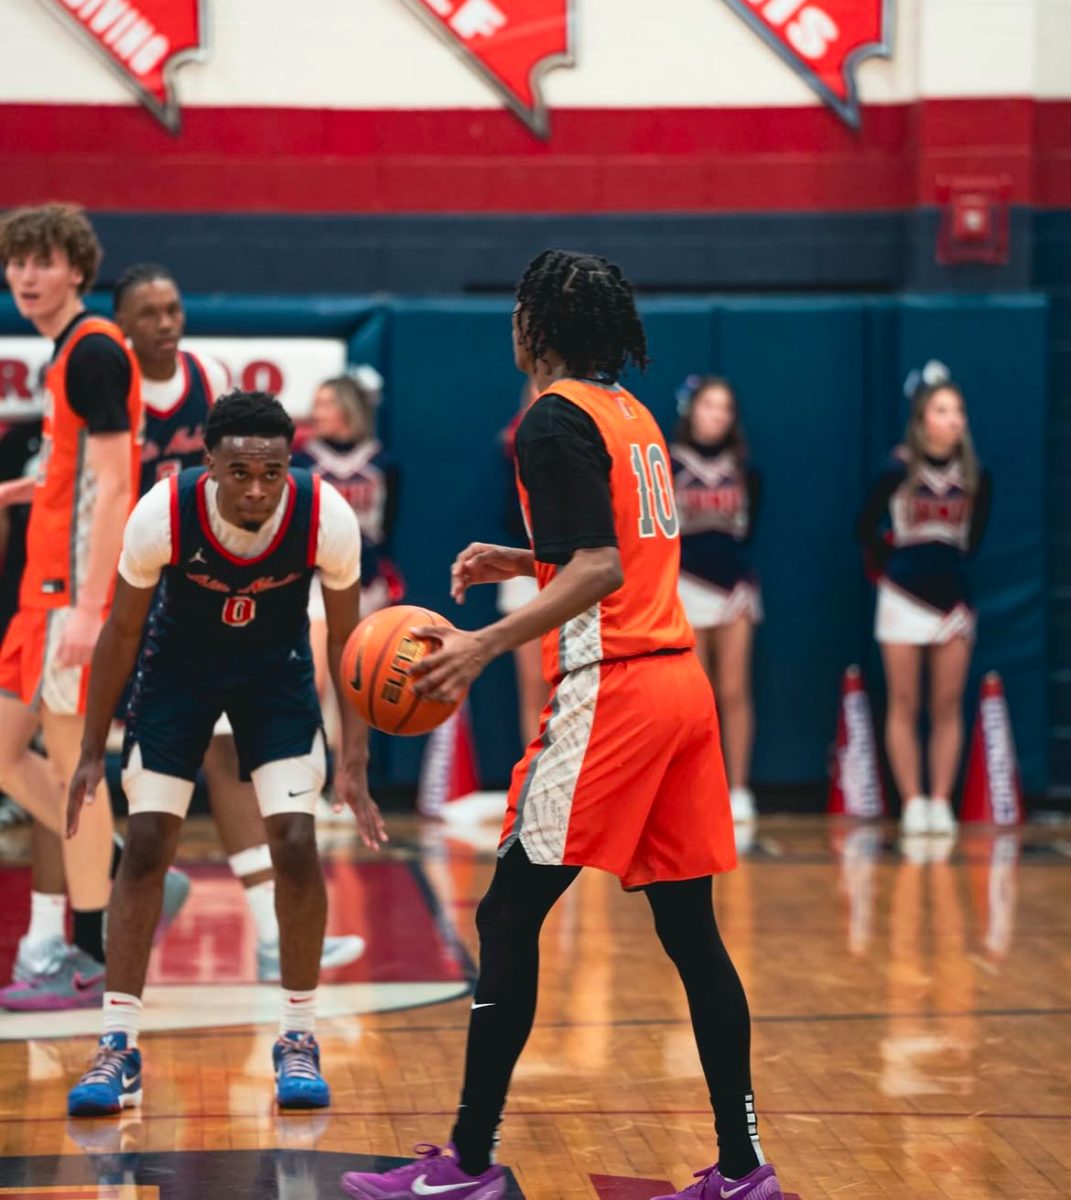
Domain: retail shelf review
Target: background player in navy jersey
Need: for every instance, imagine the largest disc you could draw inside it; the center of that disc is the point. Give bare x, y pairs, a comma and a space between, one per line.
345, 451
718, 498
177, 390
236, 545
934, 498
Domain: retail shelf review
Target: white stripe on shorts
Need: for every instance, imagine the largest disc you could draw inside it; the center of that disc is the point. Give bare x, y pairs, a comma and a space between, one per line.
545, 804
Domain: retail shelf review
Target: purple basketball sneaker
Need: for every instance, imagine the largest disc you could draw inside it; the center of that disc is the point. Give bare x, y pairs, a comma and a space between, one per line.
760, 1184
435, 1173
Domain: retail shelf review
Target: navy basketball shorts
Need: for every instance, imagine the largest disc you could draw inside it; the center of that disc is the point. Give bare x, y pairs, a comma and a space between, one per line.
274, 713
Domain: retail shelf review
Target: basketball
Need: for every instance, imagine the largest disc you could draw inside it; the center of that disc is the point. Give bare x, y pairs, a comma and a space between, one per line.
375, 671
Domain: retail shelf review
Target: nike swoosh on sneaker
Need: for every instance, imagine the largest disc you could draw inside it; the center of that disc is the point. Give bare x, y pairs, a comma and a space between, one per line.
129, 1082
488, 1004
727, 1192
421, 1187
81, 984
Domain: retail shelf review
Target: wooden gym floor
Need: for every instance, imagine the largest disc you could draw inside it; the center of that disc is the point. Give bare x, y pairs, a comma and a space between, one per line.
912, 1029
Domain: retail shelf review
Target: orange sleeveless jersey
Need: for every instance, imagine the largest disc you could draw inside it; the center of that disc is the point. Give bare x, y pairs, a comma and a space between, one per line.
645, 614
57, 538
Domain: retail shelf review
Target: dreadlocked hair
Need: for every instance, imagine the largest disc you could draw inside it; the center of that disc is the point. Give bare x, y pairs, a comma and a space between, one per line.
583, 308
247, 414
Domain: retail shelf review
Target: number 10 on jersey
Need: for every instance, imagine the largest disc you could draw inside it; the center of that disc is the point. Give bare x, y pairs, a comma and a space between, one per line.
655, 486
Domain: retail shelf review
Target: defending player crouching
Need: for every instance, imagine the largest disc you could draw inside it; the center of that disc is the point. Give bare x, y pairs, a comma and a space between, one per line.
235, 545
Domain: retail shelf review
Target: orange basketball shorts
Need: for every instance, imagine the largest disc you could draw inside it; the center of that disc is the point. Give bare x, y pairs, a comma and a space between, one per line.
28, 670
626, 775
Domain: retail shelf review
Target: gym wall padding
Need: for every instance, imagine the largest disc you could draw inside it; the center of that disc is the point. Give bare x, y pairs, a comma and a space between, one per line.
820, 387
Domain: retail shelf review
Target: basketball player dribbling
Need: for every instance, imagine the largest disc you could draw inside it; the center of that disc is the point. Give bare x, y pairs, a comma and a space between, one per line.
236, 544
627, 773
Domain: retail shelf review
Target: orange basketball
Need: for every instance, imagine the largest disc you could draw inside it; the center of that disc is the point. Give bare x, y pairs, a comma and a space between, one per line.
375, 670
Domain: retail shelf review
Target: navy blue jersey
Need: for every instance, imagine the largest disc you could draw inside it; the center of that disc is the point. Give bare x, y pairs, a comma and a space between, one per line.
220, 612
175, 437
717, 498
932, 524
367, 478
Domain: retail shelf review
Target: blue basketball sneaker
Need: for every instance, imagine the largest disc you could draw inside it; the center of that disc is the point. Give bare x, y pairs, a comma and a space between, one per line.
298, 1082
112, 1083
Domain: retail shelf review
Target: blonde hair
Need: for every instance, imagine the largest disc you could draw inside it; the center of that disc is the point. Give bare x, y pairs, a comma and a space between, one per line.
914, 446
356, 404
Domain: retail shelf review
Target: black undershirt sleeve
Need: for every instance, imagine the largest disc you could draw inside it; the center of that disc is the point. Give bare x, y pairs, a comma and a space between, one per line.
565, 468
98, 384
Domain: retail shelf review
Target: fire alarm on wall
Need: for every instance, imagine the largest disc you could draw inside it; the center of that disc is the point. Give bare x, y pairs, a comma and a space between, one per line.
974, 219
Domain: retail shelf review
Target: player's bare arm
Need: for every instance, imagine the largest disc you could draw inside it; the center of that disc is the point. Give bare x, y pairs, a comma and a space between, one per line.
586, 579
481, 562
113, 661
16, 491
108, 458
342, 608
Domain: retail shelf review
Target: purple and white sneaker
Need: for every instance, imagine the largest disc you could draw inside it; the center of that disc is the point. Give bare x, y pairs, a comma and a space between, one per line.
435, 1173
69, 979
760, 1184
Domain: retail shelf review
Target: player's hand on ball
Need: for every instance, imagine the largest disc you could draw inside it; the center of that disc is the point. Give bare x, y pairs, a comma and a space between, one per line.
351, 789
481, 562
83, 790
446, 673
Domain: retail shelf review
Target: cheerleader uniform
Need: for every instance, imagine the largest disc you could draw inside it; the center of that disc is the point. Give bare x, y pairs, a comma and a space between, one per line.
933, 526
717, 501
368, 479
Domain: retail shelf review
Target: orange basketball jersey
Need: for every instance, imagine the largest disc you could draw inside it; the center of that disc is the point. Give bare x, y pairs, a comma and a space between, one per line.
57, 538
645, 614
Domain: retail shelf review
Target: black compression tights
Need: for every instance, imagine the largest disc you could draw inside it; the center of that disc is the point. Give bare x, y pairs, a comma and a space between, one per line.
509, 919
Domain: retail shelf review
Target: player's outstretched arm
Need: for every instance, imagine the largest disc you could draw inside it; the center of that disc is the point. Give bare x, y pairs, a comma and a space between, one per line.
343, 609
113, 661
588, 577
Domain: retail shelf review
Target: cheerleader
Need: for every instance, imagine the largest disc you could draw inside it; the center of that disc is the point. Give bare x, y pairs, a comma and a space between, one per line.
933, 500
343, 448
717, 499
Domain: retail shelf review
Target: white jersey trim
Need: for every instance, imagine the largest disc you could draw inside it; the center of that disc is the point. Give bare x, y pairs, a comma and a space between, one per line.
147, 537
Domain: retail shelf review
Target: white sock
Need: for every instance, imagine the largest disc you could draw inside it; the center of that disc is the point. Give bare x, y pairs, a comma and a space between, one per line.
48, 916
122, 1014
298, 1011
261, 900
251, 862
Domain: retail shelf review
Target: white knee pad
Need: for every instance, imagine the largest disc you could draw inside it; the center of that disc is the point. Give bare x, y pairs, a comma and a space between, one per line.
292, 785
151, 792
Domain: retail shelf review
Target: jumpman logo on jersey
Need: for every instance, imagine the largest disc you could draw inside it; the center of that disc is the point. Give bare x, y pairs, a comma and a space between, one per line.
198, 557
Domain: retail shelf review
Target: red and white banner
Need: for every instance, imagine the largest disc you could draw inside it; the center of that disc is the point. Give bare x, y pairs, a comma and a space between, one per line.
290, 368
511, 43
142, 40
824, 41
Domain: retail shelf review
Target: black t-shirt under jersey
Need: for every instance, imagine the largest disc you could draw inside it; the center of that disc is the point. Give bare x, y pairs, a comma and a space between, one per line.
98, 380
565, 468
